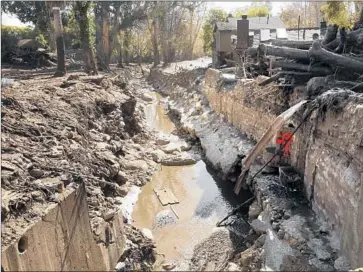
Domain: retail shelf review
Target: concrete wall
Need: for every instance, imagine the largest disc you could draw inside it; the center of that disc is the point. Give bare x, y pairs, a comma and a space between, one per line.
62, 240
328, 152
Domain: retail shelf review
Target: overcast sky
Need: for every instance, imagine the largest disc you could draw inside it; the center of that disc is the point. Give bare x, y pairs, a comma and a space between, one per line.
233, 6
7, 19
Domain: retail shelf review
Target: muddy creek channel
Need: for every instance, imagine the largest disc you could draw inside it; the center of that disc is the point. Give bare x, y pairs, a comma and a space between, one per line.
203, 201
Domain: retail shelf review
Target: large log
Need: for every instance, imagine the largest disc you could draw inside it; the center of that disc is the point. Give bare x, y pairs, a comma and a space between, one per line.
320, 70
290, 53
316, 52
293, 44
283, 73
320, 54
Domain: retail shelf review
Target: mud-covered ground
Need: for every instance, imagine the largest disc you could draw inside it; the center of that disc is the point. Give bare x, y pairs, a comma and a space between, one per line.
60, 132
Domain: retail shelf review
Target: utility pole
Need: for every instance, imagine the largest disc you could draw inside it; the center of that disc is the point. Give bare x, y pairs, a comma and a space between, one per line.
61, 62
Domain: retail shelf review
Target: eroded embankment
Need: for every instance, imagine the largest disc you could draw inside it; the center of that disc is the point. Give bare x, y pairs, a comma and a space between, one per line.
74, 152
295, 238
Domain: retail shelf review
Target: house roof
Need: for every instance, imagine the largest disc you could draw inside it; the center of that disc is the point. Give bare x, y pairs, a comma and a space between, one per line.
255, 23
224, 26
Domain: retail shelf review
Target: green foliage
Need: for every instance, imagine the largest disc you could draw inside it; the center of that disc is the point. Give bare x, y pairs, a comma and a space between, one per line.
213, 16
41, 40
255, 10
336, 12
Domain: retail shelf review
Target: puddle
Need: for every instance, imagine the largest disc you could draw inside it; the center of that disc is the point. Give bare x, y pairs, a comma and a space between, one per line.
202, 200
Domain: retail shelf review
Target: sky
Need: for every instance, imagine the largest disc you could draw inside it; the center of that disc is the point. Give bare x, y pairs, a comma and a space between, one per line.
233, 6
7, 19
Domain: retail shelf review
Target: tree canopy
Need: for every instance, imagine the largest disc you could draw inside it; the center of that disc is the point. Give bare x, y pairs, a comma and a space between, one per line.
213, 16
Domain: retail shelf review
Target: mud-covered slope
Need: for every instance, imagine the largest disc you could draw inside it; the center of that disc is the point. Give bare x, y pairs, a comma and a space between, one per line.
60, 133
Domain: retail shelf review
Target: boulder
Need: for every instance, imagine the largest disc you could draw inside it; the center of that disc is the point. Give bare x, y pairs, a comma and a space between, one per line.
158, 155
254, 211
246, 257
147, 97
121, 178
179, 160
135, 165
259, 226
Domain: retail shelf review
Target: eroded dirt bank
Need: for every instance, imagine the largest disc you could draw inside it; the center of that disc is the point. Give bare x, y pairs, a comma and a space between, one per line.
62, 133
290, 235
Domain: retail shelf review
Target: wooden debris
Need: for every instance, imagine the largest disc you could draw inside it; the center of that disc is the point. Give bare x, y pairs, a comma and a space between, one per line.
165, 196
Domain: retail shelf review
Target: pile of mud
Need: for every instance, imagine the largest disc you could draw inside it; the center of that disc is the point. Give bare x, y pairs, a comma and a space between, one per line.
58, 134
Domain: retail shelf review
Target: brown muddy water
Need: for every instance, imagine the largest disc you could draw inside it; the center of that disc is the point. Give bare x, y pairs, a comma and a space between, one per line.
202, 201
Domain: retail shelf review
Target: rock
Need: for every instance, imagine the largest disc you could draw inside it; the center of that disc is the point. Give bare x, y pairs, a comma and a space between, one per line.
342, 264
108, 215
259, 226
232, 267
254, 211
320, 266
158, 155
323, 255
246, 257
36, 173
275, 251
122, 190
53, 184
147, 234
162, 141
147, 97
275, 226
168, 267
120, 266
38, 196
260, 241
121, 178
135, 165
183, 159
118, 200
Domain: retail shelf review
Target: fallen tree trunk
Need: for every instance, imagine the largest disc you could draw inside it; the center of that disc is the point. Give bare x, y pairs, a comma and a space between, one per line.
320, 54
293, 44
321, 70
281, 74
290, 53
316, 52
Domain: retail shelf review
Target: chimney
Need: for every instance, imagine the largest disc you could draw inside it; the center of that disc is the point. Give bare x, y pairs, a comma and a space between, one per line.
242, 33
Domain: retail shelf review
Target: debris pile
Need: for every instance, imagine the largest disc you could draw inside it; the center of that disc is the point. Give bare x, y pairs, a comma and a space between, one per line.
58, 133
31, 53
314, 66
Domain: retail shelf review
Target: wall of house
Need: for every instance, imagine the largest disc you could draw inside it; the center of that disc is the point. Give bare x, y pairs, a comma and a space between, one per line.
63, 241
225, 41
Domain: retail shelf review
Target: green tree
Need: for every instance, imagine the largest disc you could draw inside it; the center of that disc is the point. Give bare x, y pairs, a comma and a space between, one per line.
336, 12
255, 10
213, 16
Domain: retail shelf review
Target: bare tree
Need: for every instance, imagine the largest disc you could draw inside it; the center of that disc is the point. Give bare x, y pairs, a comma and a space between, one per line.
61, 66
